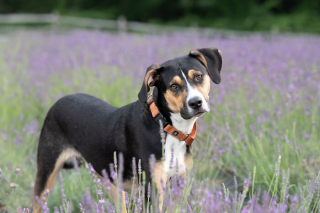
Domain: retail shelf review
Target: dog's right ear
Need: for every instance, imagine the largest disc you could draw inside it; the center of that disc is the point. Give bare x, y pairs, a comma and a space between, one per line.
152, 76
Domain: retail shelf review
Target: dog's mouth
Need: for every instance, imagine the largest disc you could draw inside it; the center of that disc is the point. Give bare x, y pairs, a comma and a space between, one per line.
198, 113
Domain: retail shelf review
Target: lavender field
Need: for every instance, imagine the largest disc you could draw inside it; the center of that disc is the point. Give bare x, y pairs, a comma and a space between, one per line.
256, 151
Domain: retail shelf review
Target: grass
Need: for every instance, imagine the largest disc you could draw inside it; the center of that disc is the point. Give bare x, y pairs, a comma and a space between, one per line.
262, 130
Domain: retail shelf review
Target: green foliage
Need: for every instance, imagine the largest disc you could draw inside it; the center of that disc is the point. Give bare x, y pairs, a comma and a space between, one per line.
16, 6
296, 16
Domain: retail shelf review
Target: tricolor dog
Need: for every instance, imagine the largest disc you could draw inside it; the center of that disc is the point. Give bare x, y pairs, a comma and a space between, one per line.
93, 130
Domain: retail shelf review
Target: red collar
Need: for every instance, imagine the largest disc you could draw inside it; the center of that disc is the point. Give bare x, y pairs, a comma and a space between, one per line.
188, 139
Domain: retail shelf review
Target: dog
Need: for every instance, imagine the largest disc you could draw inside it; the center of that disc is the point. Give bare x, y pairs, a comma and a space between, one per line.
91, 129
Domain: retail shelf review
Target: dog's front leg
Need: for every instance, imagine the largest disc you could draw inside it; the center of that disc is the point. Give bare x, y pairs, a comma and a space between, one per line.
160, 179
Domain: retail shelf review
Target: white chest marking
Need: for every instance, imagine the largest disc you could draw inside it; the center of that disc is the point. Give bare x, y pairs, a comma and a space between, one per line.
175, 150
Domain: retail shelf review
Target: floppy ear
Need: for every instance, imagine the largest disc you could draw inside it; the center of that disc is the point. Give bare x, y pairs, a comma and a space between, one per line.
211, 58
152, 76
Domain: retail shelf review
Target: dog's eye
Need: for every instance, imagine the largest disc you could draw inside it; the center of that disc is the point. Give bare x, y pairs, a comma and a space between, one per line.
198, 77
174, 86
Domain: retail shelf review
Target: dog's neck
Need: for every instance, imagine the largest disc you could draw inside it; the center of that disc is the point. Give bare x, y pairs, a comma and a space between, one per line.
175, 119
175, 150
181, 124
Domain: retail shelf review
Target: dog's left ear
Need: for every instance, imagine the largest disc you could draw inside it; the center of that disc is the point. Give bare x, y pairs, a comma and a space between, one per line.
212, 60
152, 76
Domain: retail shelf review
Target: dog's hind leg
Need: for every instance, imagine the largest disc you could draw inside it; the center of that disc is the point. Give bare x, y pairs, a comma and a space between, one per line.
116, 199
113, 193
53, 151
160, 179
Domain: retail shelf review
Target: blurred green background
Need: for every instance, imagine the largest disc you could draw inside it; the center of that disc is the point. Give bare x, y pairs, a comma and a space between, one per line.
262, 15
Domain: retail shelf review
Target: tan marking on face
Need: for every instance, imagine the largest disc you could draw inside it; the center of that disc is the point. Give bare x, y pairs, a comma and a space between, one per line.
204, 88
176, 80
160, 176
193, 73
175, 103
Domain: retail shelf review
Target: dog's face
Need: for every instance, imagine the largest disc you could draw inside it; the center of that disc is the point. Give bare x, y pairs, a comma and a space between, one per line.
183, 84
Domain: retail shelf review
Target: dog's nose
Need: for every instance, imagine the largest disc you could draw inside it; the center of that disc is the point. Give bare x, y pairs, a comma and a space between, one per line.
195, 103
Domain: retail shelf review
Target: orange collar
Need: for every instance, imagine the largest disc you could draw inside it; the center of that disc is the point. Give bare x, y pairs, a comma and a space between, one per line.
188, 139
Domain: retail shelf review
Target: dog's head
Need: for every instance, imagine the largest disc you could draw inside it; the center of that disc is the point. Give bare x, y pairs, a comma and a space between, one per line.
183, 84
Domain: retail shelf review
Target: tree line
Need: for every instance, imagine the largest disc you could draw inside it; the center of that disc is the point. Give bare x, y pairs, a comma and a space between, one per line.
299, 15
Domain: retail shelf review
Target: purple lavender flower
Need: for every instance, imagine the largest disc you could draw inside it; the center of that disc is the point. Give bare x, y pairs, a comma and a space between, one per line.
106, 181
46, 194
162, 133
139, 167
134, 168
91, 169
171, 158
43, 206
81, 208
18, 141
120, 172
109, 207
177, 166
17, 171
63, 196
13, 185
75, 163
294, 203
100, 208
282, 208
127, 200
139, 203
152, 163
113, 174
149, 191
99, 188
25, 210
87, 200
56, 210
